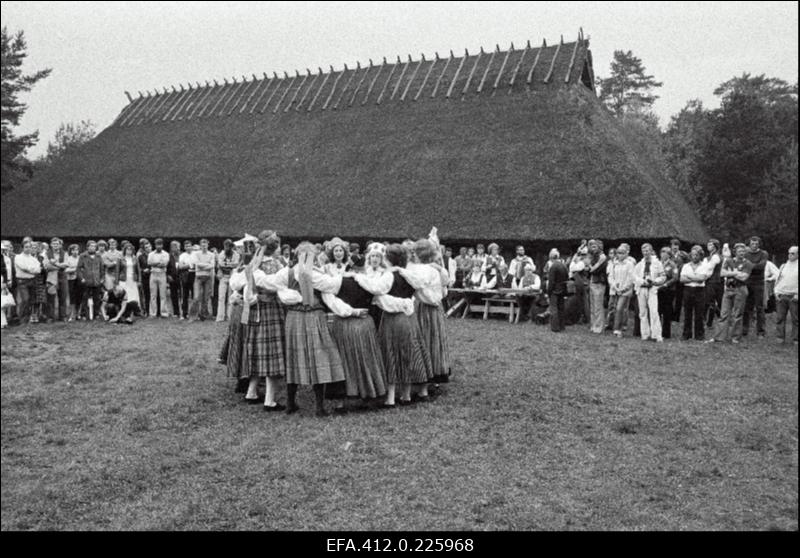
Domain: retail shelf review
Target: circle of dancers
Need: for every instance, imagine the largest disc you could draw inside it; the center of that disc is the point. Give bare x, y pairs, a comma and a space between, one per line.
385, 345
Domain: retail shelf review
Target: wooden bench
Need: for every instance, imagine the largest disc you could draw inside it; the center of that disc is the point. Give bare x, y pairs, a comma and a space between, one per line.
500, 305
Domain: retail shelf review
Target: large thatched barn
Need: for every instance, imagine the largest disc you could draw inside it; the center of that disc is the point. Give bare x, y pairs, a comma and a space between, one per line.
509, 146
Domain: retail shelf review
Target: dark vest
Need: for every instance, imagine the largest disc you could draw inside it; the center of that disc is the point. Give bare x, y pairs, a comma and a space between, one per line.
352, 293
400, 287
506, 283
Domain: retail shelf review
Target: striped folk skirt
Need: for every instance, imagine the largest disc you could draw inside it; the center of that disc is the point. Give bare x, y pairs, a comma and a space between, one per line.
405, 356
311, 354
357, 341
264, 340
237, 333
432, 324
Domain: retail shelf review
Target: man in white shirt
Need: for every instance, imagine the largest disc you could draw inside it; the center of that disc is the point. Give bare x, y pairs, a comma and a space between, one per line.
227, 261
27, 268
694, 274
186, 277
204, 262
786, 296
648, 276
158, 261
620, 287
10, 278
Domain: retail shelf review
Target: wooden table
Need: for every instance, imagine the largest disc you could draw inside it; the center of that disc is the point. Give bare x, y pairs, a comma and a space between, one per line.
494, 301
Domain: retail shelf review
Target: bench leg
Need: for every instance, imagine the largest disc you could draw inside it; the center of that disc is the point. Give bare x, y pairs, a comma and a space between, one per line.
486, 311
511, 314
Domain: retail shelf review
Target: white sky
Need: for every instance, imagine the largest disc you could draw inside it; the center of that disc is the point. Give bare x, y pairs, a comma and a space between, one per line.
100, 49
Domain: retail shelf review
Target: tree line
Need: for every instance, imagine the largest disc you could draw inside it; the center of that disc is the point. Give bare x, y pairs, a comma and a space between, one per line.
736, 164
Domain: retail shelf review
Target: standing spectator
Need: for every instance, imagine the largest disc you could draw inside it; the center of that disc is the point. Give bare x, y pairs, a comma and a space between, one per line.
111, 258
693, 276
597, 285
621, 282
648, 277
90, 274
714, 287
158, 261
212, 301
72, 281
557, 290
42, 312
130, 276
579, 273
11, 277
227, 261
144, 268
755, 287
204, 262
680, 258
666, 293
186, 272
517, 265
735, 272
27, 269
786, 296
57, 286
173, 278
480, 253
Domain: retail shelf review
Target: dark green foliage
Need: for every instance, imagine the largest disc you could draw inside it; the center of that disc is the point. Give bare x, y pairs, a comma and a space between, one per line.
69, 136
14, 82
738, 163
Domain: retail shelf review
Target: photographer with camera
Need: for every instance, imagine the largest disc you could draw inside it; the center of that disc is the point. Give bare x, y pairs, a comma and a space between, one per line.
648, 276
735, 273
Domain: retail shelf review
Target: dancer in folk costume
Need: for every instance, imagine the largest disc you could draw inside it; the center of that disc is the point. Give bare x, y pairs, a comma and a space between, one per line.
356, 338
405, 354
375, 265
231, 352
312, 357
263, 319
430, 280
338, 254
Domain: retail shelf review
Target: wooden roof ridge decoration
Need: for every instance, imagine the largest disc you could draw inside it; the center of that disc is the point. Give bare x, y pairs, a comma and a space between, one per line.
472, 75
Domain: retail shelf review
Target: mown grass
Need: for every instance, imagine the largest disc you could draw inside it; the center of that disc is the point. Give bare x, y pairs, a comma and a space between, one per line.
137, 427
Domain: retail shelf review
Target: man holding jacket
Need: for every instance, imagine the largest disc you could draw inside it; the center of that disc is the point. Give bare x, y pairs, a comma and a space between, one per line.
90, 276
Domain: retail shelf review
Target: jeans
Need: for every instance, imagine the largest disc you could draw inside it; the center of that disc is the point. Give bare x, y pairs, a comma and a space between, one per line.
620, 303
222, 298
202, 294
145, 294
694, 305
730, 318
596, 294
755, 301
786, 304
158, 290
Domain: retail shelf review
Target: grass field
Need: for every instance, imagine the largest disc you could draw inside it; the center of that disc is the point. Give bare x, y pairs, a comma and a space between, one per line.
136, 427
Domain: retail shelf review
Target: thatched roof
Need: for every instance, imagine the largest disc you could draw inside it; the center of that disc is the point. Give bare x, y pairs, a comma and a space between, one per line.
492, 145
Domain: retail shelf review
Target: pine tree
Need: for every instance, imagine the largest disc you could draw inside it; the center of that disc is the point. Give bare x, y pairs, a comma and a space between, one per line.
629, 90
14, 82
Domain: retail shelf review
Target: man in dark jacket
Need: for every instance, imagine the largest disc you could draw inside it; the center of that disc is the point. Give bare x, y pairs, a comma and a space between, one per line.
90, 276
557, 277
755, 287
